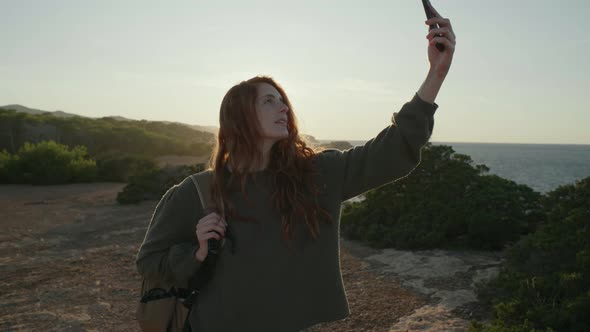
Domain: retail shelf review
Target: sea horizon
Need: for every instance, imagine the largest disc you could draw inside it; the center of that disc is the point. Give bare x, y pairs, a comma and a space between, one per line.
362, 142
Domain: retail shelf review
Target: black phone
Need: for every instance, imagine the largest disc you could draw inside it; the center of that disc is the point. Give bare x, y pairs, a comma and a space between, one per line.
429, 14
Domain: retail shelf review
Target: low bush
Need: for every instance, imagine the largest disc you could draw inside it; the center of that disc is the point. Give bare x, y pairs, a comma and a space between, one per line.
545, 283
119, 168
444, 203
47, 163
153, 183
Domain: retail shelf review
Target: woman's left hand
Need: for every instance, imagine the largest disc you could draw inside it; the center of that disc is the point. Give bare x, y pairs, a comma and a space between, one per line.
440, 62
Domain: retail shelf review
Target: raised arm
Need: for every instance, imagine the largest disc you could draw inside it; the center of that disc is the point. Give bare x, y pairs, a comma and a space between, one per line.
392, 154
396, 151
440, 62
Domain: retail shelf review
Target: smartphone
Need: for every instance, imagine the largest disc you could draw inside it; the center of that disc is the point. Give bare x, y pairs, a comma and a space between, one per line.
429, 14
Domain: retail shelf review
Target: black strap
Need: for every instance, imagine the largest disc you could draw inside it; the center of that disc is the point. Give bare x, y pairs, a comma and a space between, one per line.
204, 273
187, 325
155, 294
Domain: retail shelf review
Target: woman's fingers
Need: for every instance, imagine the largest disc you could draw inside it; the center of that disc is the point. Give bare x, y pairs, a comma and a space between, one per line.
441, 32
444, 41
441, 21
211, 235
213, 217
208, 228
438, 19
212, 221
211, 226
218, 217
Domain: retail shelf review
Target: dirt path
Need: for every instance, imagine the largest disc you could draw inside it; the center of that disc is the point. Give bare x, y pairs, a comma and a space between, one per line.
446, 278
67, 264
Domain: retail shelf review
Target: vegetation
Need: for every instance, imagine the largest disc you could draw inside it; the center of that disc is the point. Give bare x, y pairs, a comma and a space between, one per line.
445, 203
104, 136
340, 145
47, 163
153, 183
448, 203
118, 149
545, 283
119, 168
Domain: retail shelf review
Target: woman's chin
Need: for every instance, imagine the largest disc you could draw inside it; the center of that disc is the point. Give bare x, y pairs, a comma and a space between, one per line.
281, 137
283, 133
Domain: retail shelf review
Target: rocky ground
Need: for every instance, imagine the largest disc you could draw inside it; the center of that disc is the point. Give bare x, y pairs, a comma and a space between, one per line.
67, 264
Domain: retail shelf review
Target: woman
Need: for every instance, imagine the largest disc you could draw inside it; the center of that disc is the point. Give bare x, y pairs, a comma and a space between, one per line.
282, 201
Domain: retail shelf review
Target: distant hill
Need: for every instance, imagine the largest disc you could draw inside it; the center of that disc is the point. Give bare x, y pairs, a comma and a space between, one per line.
27, 110
58, 113
312, 141
207, 129
24, 109
104, 137
117, 118
340, 145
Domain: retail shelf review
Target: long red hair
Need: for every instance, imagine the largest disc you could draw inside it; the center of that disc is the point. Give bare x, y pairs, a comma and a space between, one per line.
290, 160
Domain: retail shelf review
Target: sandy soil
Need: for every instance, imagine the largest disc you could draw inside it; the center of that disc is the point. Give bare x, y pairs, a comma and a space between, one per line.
67, 264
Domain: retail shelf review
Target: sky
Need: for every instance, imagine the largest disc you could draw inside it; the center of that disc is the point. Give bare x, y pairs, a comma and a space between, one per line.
520, 72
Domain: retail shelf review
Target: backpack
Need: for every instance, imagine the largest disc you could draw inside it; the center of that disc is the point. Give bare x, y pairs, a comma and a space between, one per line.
164, 307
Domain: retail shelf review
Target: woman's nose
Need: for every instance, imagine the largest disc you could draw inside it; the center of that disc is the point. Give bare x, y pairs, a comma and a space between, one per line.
284, 108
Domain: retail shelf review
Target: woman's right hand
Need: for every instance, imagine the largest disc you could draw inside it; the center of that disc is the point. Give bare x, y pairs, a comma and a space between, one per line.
206, 229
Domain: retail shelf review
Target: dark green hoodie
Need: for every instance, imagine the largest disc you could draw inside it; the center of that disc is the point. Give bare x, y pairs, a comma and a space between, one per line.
265, 286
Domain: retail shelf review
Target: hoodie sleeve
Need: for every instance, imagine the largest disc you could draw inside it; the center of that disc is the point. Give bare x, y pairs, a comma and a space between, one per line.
393, 154
167, 251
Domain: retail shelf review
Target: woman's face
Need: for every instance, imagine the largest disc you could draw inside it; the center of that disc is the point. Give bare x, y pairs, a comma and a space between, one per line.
270, 109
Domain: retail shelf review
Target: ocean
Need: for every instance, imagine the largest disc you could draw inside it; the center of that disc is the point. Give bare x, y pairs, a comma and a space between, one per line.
543, 167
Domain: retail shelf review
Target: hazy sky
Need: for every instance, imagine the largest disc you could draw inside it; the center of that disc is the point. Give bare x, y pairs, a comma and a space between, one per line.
520, 73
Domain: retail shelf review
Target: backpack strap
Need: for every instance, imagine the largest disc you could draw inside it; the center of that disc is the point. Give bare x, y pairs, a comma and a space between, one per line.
202, 182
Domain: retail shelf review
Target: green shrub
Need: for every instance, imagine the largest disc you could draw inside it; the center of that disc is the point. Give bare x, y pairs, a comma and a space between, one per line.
499, 326
47, 163
444, 203
82, 170
140, 187
119, 168
152, 184
8, 167
546, 278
